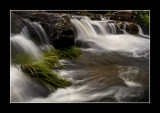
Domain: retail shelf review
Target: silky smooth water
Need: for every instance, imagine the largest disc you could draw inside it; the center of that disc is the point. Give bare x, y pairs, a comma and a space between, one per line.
114, 68
100, 76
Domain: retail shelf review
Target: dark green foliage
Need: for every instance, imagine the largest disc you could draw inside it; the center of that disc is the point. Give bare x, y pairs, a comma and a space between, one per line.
108, 12
84, 12
142, 19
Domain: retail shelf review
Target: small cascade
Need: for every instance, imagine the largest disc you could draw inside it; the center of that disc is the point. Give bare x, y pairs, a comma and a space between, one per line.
124, 29
140, 30
99, 27
103, 34
86, 31
111, 28
102, 18
104, 27
31, 40
35, 32
114, 68
23, 88
22, 45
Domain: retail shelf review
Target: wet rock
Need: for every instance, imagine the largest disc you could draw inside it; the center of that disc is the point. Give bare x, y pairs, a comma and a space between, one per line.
132, 28
16, 23
84, 44
119, 27
129, 27
95, 17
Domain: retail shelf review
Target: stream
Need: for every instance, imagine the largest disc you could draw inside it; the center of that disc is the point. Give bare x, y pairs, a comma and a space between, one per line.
113, 68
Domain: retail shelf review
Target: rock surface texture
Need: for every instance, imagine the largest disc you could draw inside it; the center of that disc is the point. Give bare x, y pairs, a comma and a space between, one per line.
121, 15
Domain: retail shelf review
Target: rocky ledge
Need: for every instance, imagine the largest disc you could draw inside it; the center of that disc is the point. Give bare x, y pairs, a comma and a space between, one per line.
121, 15
57, 25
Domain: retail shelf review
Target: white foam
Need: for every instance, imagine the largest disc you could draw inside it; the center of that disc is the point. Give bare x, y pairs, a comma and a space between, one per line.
20, 43
129, 75
120, 43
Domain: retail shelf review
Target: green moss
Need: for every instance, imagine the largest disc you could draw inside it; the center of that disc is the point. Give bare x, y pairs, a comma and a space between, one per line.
68, 53
142, 19
142, 16
108, 12
84, 12
65, 53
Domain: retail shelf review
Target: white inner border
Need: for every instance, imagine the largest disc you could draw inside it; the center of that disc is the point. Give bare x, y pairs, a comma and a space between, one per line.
73, 11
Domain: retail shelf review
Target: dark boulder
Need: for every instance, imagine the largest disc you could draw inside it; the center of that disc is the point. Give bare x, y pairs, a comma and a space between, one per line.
132, 28
57, 25
95, 16
121, 15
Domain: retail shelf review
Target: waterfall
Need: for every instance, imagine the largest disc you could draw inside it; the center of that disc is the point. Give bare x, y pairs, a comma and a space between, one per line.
124, 29
140, 30
141, 33
114, 68
22, 44
104, 27
23, 88
112, 28
103, 34
34, 31
100, 27
31, 41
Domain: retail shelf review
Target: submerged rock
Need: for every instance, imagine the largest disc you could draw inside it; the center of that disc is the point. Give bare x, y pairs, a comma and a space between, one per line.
57, 25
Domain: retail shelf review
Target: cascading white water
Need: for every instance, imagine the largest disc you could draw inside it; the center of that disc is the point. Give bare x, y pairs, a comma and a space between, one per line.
124, 29
25, 41
129, 76
24, 88
97, 76
21, 44
122, 43
35, 29
140, 30
112, 28
100, 27
104, 27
